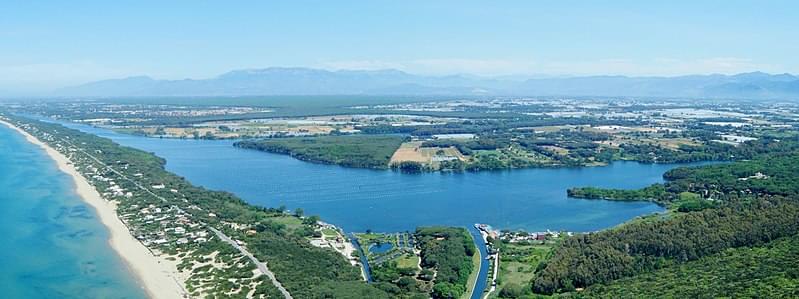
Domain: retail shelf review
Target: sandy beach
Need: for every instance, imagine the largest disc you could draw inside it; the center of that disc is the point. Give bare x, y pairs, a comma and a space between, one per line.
157, 276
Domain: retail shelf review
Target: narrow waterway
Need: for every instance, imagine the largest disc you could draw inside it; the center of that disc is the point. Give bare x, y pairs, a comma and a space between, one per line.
482, 276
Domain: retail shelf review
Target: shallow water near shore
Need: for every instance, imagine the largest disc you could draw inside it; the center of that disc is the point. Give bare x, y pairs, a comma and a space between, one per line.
388, 201
54, 245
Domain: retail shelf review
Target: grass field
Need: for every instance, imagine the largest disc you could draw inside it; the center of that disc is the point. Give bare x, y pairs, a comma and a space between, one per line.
517, 263
291, 222
408, 261
516, 272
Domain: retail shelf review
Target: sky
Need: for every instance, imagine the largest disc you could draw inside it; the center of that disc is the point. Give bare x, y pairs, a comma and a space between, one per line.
50, 44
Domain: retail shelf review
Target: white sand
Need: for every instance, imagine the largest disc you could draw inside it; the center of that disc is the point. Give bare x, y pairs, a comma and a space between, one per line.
156, 276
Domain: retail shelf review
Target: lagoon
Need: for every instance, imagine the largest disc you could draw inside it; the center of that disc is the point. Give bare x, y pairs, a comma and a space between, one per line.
386, 201
358, 200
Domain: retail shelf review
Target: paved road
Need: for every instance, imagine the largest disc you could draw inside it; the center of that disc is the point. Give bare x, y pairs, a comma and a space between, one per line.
261, 266
494, 277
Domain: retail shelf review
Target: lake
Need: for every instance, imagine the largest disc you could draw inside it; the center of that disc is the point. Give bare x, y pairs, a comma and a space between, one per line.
388, 201
358, 200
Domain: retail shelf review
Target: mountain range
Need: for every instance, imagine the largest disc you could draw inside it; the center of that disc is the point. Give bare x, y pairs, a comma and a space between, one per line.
307, 81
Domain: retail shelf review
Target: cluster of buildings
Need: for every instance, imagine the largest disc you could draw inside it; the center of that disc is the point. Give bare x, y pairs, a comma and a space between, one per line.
166, 225
151, 224
522, 236
337, 242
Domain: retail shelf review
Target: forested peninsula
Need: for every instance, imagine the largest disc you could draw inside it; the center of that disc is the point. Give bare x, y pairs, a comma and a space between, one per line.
733, 212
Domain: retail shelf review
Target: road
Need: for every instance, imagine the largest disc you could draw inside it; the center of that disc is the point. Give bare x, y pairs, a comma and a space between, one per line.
261, 266
494, 277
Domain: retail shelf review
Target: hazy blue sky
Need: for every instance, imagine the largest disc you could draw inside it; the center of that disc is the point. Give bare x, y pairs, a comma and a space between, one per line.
44, 44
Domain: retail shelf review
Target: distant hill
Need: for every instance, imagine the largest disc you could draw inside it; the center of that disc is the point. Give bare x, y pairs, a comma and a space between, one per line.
306, 81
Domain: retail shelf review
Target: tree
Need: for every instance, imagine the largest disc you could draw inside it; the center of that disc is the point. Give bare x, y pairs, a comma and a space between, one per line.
406, 283
298, 212
310, 220
445, 290
511, 290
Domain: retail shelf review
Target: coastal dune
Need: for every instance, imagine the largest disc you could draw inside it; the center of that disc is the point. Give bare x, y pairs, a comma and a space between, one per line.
156, 275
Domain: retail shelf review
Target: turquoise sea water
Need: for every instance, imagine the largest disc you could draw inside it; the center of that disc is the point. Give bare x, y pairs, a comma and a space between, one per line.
53, 245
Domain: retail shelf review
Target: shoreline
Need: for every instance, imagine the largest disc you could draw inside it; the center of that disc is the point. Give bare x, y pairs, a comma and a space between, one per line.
157, 276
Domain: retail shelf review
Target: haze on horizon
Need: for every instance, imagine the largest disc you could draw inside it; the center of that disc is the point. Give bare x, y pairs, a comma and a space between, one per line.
44, 46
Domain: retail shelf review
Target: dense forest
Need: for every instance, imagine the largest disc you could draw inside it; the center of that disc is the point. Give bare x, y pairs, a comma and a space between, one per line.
772, 174
732, 205
656, 193
770, 271
643, 246
364, 151
448, 252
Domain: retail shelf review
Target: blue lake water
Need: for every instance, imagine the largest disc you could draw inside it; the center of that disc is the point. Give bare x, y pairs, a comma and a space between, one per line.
53, 246
387, 201
380, 248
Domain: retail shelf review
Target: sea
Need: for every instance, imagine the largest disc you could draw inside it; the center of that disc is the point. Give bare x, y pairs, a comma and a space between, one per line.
54, 245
